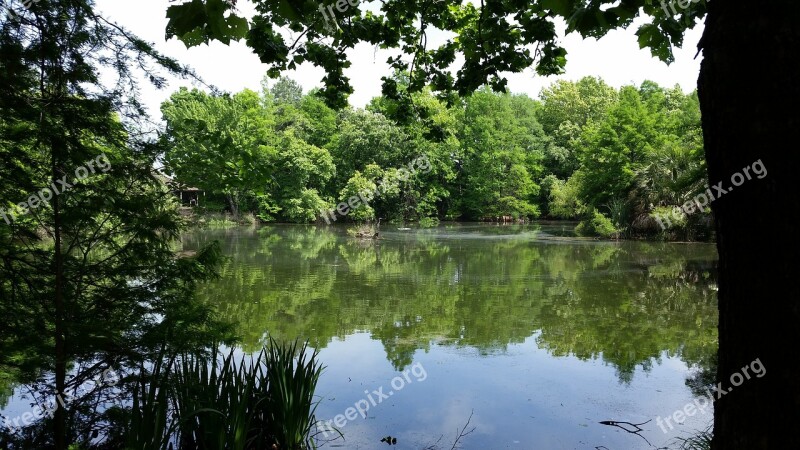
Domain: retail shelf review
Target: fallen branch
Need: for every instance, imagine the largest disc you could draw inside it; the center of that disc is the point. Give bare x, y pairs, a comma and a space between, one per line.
637, 427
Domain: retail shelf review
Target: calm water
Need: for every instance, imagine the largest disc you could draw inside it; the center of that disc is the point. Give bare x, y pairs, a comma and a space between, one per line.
539, 335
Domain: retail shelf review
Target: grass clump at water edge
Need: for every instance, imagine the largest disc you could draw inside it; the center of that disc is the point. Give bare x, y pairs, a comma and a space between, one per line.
224, 402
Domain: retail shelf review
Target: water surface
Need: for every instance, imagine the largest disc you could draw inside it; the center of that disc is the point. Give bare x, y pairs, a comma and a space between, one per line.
537, 334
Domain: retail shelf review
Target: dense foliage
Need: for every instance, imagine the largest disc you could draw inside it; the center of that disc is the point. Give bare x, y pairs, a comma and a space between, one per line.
485, 39
583, 151
89, 280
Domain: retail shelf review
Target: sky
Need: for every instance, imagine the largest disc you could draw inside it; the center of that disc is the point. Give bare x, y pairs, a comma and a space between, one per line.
616, 58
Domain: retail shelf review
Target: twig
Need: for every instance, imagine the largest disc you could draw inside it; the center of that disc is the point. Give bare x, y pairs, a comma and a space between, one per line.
462, 434
638, 429
434, 446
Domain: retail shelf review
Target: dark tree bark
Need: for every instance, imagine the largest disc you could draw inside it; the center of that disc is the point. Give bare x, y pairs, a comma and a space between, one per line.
60, 439
749, 96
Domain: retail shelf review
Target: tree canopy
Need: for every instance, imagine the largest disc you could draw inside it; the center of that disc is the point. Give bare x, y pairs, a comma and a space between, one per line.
619, 155
487, 39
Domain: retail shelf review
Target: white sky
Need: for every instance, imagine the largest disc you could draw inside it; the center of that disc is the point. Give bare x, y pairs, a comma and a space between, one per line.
616, 58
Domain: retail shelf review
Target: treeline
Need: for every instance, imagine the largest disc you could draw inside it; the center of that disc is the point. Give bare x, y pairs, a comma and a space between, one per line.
611, 159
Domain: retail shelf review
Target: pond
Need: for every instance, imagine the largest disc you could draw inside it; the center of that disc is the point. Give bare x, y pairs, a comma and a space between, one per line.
530, 334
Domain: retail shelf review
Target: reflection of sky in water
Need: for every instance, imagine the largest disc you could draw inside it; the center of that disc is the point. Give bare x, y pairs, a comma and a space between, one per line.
522, 398
541, 334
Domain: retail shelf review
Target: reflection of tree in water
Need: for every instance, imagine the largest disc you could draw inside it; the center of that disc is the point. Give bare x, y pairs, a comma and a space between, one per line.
631, 317
627, 304
400, 340
704, 377
7, 384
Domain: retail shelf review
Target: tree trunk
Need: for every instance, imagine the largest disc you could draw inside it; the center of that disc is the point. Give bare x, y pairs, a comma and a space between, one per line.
59, 311
233, 203
749, 97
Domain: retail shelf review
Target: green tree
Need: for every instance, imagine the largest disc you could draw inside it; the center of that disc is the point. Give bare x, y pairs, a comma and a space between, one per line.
321, 120
646, 153
356, 186
567, 107
611, 149
432, 128
288, 91
502, 146
219, 143
674, 172
580, 103
88, 277
300, 169
366, 138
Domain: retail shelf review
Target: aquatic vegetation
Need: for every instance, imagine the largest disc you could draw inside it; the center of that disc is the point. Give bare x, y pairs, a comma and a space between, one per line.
221, 402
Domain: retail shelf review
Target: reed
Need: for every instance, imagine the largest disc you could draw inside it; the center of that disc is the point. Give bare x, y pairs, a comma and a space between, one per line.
223, 402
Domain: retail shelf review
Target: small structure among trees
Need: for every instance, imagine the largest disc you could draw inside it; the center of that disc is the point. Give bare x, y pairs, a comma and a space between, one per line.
189, 195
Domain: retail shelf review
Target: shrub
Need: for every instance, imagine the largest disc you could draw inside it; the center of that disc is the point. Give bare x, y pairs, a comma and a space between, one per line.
565, 202
305, 208
596, 225
428, 222
668, 218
